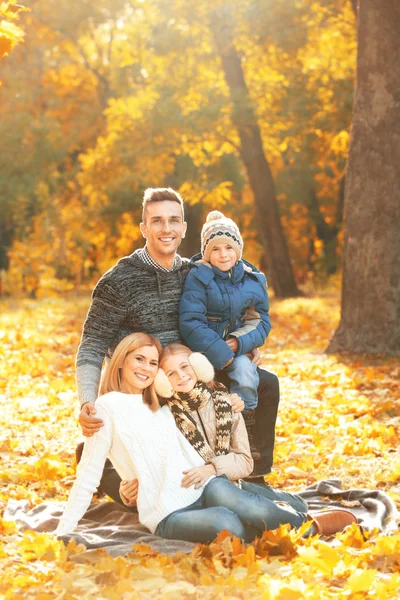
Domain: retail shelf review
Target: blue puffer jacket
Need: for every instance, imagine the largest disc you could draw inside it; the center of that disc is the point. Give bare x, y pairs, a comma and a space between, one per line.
216, 305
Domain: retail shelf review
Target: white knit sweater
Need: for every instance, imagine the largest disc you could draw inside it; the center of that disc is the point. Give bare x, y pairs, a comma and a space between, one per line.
141, 444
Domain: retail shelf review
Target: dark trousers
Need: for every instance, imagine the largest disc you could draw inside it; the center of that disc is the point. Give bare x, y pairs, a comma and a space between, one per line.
266, 413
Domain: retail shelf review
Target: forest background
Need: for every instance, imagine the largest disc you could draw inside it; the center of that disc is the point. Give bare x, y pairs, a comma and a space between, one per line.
101, 99
104, 99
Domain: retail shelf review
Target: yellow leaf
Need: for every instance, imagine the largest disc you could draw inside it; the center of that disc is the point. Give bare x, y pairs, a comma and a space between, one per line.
322, 558
7, 527
361, 580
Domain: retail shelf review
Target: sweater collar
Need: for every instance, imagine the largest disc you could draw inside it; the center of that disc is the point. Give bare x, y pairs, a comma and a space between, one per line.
153, 267
149, 260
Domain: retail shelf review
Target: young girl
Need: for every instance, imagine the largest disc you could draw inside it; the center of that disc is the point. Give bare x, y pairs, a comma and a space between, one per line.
203, 414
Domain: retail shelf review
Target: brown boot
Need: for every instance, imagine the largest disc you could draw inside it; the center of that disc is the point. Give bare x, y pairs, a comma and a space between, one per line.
329, 522
78, 453
249, 420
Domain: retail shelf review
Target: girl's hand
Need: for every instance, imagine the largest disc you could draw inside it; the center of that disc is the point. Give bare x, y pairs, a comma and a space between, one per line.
237, 403
230, 361
255, 356
197, 476
128, 490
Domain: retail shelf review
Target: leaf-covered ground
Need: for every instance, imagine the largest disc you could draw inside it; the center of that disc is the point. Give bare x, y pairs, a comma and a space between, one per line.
338, 417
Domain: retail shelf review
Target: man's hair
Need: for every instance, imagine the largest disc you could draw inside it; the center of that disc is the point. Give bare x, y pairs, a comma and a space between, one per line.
161, 195
111, 381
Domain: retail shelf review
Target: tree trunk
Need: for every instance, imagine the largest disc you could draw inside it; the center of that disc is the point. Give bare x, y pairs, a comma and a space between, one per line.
191, 243
370, 320
252, 154
354, 5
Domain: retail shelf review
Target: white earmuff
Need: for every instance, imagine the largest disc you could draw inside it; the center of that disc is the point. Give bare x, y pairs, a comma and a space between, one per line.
202, 367
162, 385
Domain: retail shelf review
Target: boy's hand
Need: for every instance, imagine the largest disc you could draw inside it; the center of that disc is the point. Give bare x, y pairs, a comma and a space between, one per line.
233, 344
89, 424
128, 490
197, 476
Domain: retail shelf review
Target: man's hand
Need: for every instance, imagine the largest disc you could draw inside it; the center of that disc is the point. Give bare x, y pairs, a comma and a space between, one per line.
128, 490
255, 357
197, 476
237, 403
233, 344
90, 425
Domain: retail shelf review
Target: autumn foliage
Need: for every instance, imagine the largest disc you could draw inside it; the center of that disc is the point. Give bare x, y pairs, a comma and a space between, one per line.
339, 417
100, 100
10, 33
106, 98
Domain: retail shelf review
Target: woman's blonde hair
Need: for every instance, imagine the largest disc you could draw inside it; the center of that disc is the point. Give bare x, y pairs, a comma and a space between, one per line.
111, 381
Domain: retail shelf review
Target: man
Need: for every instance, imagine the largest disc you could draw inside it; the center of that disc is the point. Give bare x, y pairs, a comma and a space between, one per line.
141, 293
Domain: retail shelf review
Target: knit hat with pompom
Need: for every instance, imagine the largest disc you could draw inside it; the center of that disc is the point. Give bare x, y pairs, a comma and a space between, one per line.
219, 229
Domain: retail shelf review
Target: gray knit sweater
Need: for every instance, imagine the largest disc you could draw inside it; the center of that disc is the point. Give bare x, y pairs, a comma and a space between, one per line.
131, 296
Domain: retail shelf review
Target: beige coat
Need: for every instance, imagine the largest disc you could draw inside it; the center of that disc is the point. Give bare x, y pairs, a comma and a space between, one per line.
238, 463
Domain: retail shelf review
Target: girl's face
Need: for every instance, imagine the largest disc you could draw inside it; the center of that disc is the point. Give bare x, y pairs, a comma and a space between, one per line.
180, 373
139, 369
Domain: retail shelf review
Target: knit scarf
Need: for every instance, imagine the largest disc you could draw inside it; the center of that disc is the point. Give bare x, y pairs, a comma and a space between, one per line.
183, 403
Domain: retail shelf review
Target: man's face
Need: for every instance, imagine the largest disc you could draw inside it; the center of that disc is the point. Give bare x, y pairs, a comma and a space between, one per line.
163, 228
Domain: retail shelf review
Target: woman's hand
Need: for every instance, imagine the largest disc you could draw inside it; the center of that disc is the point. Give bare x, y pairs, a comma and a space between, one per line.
89, 424
128, 490
197, 476
237, 403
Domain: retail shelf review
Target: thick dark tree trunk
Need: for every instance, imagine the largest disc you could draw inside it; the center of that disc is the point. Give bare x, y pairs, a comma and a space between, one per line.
252, 154
191, 243
370, 319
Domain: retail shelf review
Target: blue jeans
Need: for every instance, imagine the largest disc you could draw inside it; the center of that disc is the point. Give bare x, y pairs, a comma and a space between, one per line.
244, 380
246, 513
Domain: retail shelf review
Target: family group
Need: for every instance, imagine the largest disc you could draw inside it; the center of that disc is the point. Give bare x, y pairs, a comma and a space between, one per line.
180, 424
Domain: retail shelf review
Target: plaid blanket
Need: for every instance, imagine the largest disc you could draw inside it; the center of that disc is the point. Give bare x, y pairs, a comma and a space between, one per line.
116, 529
374, 509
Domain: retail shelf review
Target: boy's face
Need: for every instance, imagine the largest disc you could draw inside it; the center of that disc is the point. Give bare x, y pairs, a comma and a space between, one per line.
223, 256
180, 373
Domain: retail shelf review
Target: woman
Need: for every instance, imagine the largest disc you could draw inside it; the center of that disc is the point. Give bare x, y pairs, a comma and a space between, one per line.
143, 442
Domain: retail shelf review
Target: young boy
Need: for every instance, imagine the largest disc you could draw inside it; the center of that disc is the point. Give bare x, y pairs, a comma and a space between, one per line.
224, 308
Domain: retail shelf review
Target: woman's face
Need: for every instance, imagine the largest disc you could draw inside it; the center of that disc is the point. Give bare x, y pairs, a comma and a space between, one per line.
139, 369
180, 373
